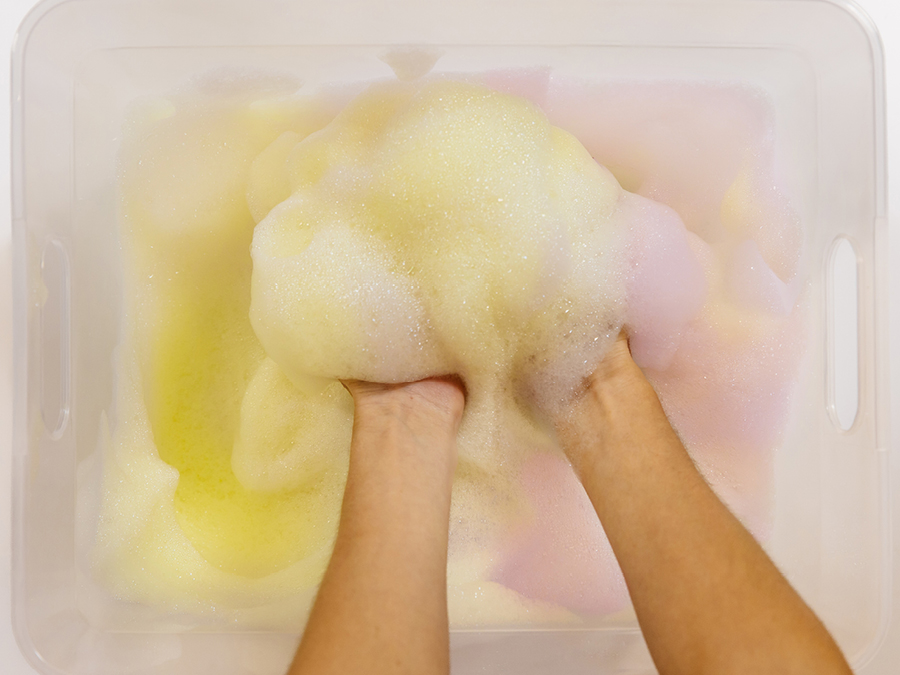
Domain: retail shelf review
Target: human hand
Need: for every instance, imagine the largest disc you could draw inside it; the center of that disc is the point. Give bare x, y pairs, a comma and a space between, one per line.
439, 399
427, 412
616, 404
617, 369
382, 606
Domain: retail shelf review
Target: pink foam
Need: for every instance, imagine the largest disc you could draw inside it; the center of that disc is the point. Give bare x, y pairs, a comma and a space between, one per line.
562, 555
679, 144
732, 392
763, 214
668, 286
752, 283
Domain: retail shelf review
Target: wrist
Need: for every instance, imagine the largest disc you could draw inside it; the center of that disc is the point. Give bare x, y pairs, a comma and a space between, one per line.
617, 408
404, 442
438, 402
405, 420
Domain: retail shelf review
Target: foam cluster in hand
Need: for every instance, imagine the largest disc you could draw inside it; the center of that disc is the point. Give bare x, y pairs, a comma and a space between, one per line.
444, 228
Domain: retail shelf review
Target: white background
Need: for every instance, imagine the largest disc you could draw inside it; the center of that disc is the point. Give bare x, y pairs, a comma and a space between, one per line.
885, 13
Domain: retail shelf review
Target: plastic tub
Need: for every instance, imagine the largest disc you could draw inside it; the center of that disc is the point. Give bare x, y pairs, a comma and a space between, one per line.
78, 63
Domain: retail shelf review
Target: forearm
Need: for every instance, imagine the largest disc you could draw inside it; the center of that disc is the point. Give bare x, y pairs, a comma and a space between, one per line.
707, 597
382, 604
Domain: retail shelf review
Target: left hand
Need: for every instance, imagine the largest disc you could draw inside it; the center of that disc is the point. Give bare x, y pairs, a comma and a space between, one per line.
439, 401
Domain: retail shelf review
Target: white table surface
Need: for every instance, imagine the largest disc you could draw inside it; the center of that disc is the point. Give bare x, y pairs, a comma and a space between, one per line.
885, 13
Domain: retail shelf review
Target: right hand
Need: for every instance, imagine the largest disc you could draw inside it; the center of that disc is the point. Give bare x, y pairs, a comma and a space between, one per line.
616, 400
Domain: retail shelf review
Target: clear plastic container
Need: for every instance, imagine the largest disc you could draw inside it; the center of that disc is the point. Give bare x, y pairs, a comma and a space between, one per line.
78, 63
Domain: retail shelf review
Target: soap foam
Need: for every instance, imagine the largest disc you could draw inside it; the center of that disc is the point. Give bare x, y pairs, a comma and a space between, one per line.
446, 229
430, 227
573, 566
